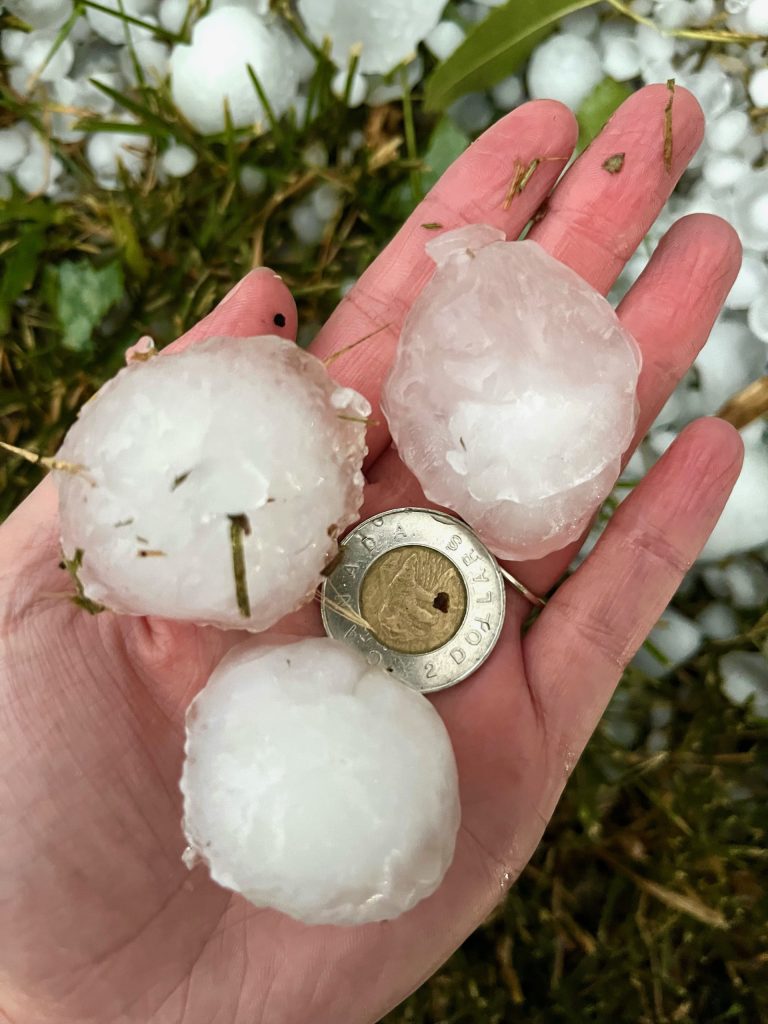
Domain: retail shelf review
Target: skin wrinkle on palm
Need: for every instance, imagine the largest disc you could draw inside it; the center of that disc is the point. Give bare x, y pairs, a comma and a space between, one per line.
516, 735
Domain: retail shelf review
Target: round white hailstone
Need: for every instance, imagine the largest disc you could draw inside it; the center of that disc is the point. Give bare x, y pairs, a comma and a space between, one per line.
654, 46
178, 161
730, 359
715, 580
745, 677
676, 637
252, 180
212, 72
580, 23
757, 318
718, 621
41, 13
660, 440
747, 583
37, 60
111, 26
472, 113
151, 54
671, 14
701, 11
758, 88
186, 450
728, 131
512, 393
39, 171
565, 68
306, 224
12, 42
724, 170
381, 90
751, 282
317, 785
107, 152
750, 211
508, 94
389, 34
13, 148
68, 93
756, 21
712, 87
326, 201
172, 14
357, 87
444, 38
621, 58
743, 526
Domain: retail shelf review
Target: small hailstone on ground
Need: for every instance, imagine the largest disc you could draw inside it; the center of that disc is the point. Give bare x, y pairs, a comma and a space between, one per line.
13, 148
40, 170
751, 282
757, 318
388, 33
745, 676
728, 362
565, 68
178, 161
317, 785
750, 211
747, 583
622, 58
472, 113
509, 93
444, 38
728, 131
111, 26
172, 14
252, 180
215, 482
41, 13
676, 637
743, 526
756, 20
212, 73
107, 152
357, 87
512, 394
718, 621
758, 88
39, 59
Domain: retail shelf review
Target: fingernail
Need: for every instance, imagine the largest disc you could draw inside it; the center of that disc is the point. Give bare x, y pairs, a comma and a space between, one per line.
233, 292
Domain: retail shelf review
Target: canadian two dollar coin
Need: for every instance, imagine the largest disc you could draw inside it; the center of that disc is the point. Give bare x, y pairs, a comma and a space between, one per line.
418, 594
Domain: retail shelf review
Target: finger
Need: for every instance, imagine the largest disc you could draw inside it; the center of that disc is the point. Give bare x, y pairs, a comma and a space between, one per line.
595, 219
473, 190
259, 304
597, 620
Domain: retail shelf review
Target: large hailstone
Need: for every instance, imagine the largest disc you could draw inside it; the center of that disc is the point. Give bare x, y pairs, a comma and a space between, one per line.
214, 483
512, 394
317, 785
387, 33
211, 74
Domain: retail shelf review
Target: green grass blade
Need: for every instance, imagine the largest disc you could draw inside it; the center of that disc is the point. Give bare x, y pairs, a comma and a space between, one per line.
496, 48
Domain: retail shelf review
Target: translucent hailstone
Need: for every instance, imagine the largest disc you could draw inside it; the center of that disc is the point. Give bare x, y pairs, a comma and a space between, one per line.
743, 526
388, 33
566, 68
178, 161
184, 453
512, 394
211, 74
317, 785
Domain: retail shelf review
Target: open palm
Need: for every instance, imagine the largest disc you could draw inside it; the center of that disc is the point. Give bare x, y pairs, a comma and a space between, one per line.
103, 922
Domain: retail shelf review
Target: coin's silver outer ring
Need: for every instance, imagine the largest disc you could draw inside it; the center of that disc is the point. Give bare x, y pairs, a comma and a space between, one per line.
483, 619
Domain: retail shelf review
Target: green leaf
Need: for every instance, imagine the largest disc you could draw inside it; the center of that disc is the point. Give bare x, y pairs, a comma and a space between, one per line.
598, 107
19, 267
446, 144
496, 48
84, 295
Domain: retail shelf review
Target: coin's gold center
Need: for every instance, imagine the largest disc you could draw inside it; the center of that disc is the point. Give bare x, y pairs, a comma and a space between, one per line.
414, 599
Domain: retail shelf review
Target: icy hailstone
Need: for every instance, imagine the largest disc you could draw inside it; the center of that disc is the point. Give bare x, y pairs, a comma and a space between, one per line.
512, 394
236, 443
317, 785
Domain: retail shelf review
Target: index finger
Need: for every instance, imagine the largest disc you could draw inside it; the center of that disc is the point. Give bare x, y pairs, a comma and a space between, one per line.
475, 189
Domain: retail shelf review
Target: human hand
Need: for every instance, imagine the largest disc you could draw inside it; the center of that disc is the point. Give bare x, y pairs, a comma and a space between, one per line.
104, 923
